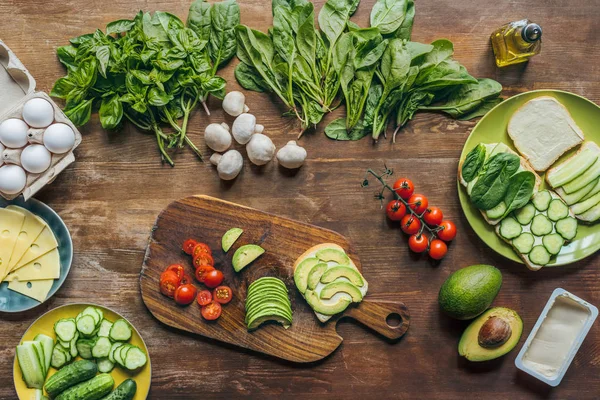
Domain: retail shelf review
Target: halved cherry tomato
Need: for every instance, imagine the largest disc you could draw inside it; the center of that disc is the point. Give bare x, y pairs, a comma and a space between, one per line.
204, 297
203, 259
213, 278
185, 294
169, 281
222, 294
447, 231
433, 216
418, 243
186, 279
211, 311
404, 188
418, 203
410, 224
437, 249
395, 210
188, 246
201, 272
201, 248
178, 269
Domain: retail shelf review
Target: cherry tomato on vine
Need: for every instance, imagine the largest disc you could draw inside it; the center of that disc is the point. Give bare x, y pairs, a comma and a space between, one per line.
188, 246
213, 278
223, 294
447, 231
202, 271
410, 224
204, 297
169, 281
433, 216
395, 210
178, 269
404, 188
185, 294
203, 259
418, 243
418, 203
200, 248
211, 311
437, 249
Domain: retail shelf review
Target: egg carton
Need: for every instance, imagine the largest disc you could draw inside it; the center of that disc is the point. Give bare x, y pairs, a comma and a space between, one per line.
17, 87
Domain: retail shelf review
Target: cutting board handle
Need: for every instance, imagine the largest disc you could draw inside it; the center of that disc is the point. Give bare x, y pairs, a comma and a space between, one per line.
380, 316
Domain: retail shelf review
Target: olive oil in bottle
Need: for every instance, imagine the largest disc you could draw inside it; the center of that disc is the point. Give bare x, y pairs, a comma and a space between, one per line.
516, 42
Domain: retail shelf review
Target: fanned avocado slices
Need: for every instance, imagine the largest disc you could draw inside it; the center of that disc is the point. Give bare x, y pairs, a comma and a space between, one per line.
345, 287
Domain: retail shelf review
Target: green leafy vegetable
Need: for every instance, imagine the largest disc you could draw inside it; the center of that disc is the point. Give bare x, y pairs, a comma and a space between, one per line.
491, 187
519, 191
474, 162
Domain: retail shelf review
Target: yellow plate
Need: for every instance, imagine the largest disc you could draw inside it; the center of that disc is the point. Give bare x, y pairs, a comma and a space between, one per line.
45, 325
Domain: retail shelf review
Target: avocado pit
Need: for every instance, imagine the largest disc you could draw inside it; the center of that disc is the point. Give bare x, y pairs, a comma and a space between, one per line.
494, 333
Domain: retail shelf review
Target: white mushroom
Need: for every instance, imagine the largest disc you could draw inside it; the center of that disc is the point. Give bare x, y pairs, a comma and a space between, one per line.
291, 155
234, 103
260, 149
228, 164
217, 137
244, 127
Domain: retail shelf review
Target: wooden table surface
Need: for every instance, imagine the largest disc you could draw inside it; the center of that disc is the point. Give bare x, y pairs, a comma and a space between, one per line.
111, 196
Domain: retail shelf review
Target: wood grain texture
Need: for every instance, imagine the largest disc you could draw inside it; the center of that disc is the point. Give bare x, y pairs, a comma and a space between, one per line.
110, 197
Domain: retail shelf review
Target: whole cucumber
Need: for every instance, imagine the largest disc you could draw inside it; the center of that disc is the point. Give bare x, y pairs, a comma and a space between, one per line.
70, 375
94, 389
125, 391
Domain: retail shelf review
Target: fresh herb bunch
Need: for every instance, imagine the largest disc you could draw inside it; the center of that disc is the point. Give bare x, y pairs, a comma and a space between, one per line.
153, 70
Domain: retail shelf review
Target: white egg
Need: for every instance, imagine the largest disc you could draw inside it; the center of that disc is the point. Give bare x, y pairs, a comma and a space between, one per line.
13, 133
35, 158
12, 179
59, 138
1, 151
38, 113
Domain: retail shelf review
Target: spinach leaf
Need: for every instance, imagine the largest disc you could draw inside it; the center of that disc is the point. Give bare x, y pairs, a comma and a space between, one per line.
405, 29
480, 111
225, 16
337, 130
491, 187
468, 97
519, 191
388, 15
474, 162
334, 16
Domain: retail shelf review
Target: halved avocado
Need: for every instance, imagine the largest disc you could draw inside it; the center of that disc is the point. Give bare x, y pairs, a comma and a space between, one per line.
273, 307
245, 255
341, 286
493, 334
314, 276
342, 271
261, 319
230, 237
302, 271
325, 307
331, 254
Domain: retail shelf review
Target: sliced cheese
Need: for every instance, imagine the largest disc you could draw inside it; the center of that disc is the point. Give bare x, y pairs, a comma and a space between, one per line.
31, 229
43, 244
44, 267
10, 225
37, 290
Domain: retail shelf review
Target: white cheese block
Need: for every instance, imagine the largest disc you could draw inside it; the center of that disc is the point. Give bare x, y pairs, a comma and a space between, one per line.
10, 225
43, 244
31, 229
44, 267
37, 290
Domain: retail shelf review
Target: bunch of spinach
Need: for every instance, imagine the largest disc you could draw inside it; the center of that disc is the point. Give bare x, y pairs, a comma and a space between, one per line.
153, 70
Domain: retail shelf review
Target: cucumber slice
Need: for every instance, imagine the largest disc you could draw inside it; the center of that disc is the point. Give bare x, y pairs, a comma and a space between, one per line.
557, 210
122, 354
117, 353
582, 207
510, 228
48, 345
572, 168
581, 194
59, 357
120, 331
553, 243
567, 228
524, 242
31, 366
496, 212
100, 314
541, 225
73, 346
590, 175
595, 189
525, 215
65, 329
591, 215
91, 311
105, 365
541, 200
113, 348
539, 255
102, 348
135, 359
84, 347
105, 326
86, 325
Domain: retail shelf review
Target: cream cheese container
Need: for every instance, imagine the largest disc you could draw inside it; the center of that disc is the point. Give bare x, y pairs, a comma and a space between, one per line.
17, 87
556, 337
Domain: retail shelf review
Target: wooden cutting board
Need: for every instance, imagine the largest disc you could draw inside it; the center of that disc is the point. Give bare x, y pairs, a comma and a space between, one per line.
206, 219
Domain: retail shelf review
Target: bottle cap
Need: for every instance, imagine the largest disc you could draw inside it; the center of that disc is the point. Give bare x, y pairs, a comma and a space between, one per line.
532, 33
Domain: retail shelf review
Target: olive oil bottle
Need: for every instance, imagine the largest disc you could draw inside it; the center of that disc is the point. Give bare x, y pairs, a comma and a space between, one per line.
516, 42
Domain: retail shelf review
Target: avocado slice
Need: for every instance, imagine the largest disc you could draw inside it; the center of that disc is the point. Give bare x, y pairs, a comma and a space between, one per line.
331, 254
341, 286
267, 283
326, 307
275, 297
266, 279
230, 237
273, 307
314, 276
265, 289
343, 271
301, 273
261, 319
502, 328
245, 255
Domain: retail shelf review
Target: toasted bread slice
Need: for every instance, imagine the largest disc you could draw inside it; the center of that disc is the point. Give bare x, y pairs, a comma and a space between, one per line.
543, 130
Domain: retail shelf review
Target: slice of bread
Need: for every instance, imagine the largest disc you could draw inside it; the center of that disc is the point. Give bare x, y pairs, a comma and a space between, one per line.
542, 130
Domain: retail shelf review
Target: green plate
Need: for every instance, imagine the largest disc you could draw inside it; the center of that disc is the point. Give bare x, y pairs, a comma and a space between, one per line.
492, 129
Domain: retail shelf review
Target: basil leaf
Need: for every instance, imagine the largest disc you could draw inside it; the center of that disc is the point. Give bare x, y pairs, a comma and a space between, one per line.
66, 55
157, 97
119, 26
62, 88
491, 187
111, 112
519, 191
103, 56
81, 113
473, 162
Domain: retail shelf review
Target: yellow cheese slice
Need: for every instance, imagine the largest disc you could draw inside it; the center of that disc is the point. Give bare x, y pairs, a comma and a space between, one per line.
43, 244
31, 229
44, 267
10, 225
37, 290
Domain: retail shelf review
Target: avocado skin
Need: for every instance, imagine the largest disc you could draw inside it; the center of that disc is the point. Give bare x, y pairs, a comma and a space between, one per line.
469, 291
469, 347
